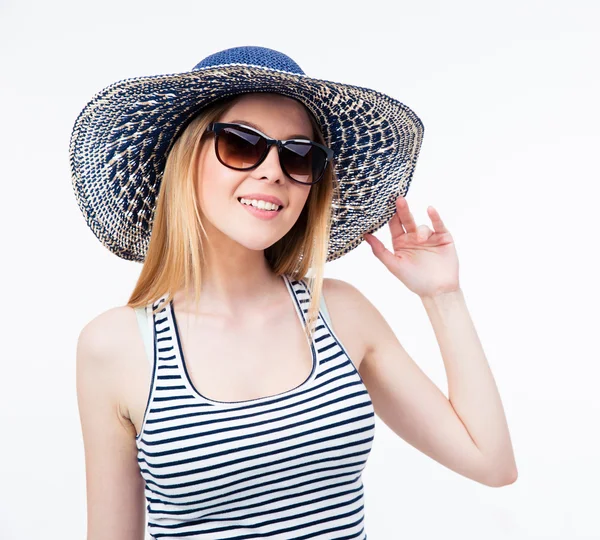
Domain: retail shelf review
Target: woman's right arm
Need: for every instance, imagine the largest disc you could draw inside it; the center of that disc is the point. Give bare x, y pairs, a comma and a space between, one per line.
114, 485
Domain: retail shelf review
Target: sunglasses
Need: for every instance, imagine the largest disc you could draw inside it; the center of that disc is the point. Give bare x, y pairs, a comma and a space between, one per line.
243, 148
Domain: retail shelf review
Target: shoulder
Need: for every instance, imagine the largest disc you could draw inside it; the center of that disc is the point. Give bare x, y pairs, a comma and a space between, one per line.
340, 292
103, 345
101, 337
343, 293
351, 312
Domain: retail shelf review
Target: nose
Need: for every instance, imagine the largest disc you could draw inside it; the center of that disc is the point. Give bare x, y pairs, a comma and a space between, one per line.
270, 167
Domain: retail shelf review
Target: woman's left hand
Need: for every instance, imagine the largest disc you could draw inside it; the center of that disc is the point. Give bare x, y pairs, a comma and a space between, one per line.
424, 260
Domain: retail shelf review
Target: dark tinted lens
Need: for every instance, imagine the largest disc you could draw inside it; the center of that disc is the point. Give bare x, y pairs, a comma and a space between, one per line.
304, 162
240, 148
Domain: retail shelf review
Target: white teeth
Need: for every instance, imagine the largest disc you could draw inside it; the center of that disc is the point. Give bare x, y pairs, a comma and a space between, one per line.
263, 205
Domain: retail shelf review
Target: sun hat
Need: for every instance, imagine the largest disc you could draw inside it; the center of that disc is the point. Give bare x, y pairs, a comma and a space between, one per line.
121, 139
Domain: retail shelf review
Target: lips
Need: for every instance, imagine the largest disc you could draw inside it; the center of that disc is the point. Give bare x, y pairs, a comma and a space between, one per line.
260, 213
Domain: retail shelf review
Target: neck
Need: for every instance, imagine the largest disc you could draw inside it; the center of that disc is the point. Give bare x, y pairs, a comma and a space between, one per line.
234, 279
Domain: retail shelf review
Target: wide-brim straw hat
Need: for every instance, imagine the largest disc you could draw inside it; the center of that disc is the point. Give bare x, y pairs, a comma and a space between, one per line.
121, 139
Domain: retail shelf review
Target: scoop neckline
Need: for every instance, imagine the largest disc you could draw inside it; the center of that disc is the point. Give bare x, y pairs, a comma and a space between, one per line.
198, 394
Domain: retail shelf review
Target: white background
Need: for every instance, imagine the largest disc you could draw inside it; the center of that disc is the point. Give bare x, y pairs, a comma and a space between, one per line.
508, 92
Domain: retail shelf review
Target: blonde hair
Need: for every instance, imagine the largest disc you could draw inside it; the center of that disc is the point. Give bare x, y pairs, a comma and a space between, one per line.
176, 247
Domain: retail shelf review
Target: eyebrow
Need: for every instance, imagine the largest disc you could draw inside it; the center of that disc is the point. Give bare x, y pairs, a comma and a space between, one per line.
248, 123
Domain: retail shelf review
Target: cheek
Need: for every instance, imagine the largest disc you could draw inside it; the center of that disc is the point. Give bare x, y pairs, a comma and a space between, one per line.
300, 199
214, 185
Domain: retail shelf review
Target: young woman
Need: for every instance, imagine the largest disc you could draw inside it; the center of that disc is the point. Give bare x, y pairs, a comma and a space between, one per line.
227, 391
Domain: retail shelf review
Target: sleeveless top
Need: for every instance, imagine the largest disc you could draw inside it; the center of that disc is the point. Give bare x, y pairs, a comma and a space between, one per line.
285, 466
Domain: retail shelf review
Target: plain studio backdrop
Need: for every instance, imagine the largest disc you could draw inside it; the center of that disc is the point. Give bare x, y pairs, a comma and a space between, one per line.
508, 93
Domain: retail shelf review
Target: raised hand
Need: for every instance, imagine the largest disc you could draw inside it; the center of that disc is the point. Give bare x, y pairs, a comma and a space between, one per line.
424, 260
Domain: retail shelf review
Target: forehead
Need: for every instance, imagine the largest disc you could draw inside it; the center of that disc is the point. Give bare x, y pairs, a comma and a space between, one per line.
276, 115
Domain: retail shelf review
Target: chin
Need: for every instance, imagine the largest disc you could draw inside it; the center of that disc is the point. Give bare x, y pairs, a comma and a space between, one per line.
257, 244
250, 239
258, 237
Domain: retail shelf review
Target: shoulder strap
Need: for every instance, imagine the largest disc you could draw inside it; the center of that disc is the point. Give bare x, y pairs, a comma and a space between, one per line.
324, 311
145, 323
322, 305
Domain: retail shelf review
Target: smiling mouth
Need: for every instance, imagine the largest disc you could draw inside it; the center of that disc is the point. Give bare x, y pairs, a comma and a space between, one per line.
279, 208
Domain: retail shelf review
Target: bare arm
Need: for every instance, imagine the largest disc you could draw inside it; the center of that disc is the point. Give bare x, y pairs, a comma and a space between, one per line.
114, 486
410, 403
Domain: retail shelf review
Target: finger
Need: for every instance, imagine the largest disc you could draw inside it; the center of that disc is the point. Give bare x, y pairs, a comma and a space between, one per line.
436, 220
423, 233
380, 251
396, 228
405, 216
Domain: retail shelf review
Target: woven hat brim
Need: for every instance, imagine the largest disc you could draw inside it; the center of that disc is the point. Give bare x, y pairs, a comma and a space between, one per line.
120, 142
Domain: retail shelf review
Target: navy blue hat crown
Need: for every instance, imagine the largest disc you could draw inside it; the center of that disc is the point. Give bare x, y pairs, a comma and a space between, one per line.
254, 56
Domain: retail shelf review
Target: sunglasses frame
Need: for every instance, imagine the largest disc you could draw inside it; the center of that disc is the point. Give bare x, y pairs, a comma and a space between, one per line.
217, 127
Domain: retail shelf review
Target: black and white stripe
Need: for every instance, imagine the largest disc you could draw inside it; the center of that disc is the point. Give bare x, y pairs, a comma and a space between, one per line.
281, 467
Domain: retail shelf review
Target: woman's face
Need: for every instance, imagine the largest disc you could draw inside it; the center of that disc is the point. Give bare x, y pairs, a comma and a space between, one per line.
220, 188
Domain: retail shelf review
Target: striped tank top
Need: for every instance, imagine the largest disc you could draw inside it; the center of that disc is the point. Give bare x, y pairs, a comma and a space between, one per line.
285, 466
